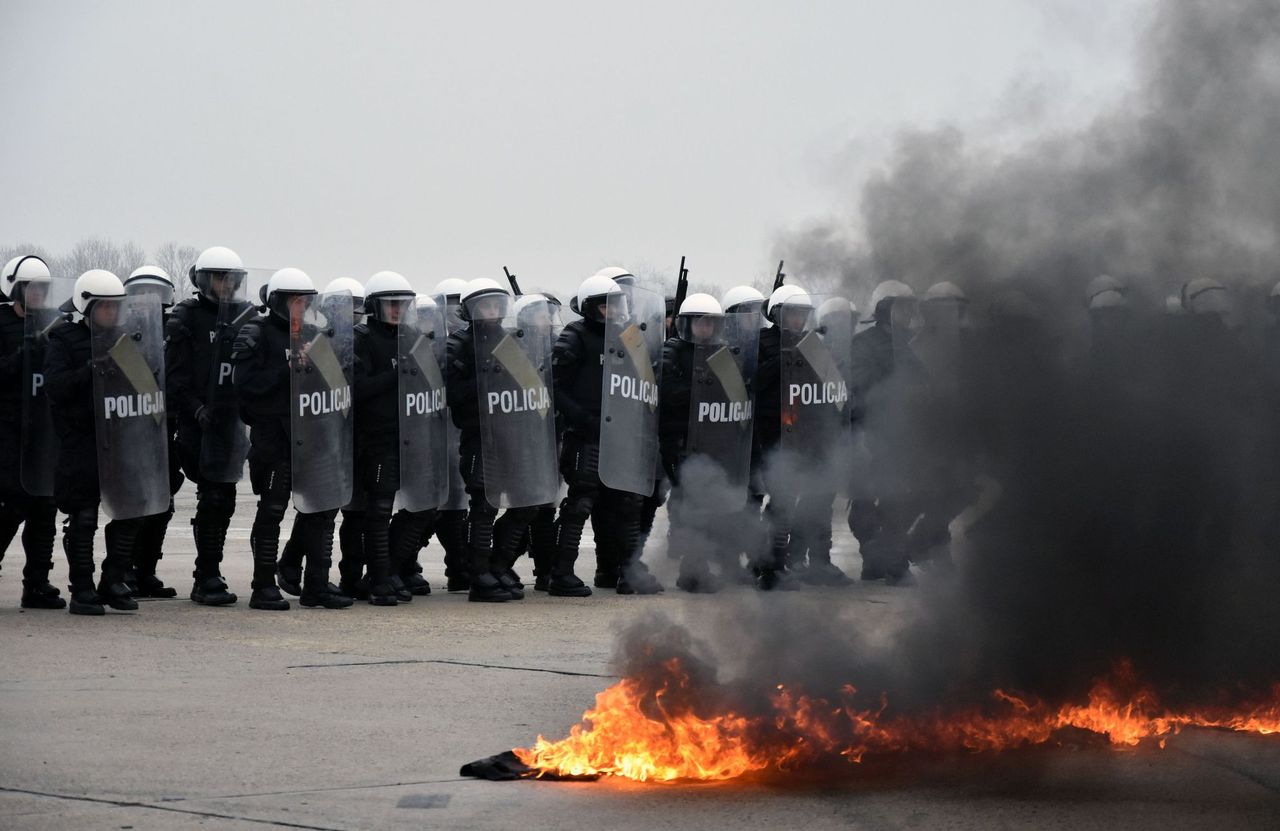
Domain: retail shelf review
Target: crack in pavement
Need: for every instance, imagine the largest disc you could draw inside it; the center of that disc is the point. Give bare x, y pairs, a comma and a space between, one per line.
451, 663
320, 790
1244, 774
123, 803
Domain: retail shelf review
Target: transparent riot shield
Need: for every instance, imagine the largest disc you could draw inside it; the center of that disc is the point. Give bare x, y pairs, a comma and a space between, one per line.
424, 447
39, 441
934, 348
224, 440
634, 331
129, 406
721, 402
456, 499
517, 413
814, 378
320, 360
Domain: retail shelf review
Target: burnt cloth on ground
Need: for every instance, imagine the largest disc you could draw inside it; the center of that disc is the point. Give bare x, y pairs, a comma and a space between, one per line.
505, 767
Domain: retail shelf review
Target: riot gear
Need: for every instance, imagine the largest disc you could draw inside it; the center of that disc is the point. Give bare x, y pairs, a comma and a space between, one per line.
218, 274
498, 383
592, 294
1206, 296
151, 279
353, 288
700, 319
28, 446
388, 287
300, 432
21, 272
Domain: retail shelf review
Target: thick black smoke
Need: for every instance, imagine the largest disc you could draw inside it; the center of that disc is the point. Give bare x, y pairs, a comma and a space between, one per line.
1137, 468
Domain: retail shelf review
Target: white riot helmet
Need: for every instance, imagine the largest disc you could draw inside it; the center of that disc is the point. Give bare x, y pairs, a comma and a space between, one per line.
884, 294
388, 286
1101, 284
18, 272
617, 274
535, 311
452, 288
352, 287
95, 285
483, 293
151, 279
943, 304
594, 291
836, 312
217, 262
1204, 295
285, 284
1110, 299
426, 301
786, 295
943, 292
695, 309
745, 299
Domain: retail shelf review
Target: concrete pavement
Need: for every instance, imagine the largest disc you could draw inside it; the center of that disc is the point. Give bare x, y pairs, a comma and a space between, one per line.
181, 716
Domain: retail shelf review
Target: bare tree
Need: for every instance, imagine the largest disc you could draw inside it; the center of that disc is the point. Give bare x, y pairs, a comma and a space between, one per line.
98, 252
177, 260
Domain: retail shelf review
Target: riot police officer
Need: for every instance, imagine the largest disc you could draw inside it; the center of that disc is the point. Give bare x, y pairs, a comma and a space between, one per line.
580, 370
388, 298
498, 377
351, 527
880, 515
81, 355
25, 283
267, 355
149, 546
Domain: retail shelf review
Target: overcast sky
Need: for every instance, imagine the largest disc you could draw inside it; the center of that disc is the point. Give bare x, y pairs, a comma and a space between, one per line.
450, 139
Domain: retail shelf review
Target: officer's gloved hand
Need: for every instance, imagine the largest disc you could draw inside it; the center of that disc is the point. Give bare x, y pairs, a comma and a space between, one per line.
204, 417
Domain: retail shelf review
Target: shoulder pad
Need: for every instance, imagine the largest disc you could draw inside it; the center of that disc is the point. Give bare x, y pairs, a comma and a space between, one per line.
247, 340
361, 329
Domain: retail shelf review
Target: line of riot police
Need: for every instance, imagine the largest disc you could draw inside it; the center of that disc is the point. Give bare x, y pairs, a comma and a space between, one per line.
476, 417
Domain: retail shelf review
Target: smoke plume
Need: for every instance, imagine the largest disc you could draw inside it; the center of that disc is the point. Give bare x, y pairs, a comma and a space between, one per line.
1132, 469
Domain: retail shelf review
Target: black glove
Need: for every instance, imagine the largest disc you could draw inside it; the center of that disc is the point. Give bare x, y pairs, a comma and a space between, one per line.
204, 416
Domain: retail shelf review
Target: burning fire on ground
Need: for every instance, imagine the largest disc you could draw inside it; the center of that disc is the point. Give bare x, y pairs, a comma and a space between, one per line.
635, 733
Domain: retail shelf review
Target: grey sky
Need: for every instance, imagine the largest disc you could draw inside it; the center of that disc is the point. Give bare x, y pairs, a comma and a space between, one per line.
452, 139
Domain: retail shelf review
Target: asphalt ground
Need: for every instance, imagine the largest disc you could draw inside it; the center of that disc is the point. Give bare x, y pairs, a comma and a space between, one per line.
182, 716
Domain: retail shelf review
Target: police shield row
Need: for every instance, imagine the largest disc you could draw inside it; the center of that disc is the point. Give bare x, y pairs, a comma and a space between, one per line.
429, 417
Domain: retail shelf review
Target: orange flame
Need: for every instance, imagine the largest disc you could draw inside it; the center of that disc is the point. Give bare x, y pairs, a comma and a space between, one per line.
635, 735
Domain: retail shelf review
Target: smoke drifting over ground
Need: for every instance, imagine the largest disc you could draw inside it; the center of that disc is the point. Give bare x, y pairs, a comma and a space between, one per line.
1136, 459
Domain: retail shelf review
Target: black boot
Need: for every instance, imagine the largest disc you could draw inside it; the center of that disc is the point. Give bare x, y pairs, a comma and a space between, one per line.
86, 602
403, 539
211, 591
323, 595
566, 585
42, 597
120, 535
289, 569
151, 586
485, 587
209, 527
268, 599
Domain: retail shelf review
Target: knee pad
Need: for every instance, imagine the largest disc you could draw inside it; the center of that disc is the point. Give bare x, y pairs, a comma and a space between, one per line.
378, 508
82, 522
216, 500
271, 510
577, 506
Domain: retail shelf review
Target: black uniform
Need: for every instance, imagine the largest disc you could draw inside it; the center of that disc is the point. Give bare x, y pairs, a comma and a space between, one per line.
197, 359
770, 561
148, 548
69, 381
618, 516
387, 547
17, 507
493, 546
879, 515
262, 379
